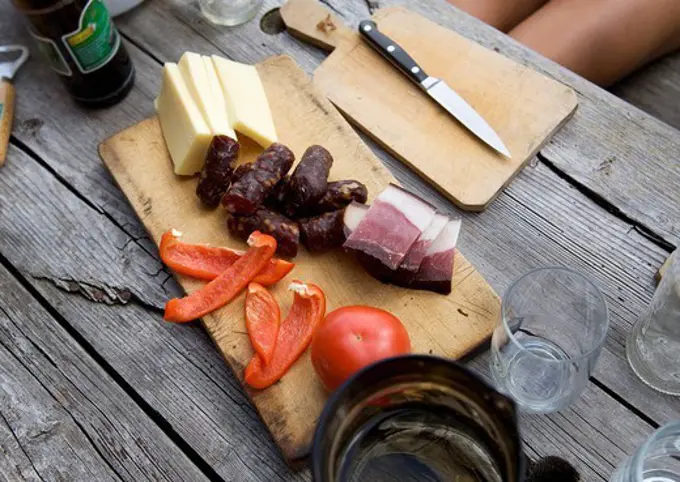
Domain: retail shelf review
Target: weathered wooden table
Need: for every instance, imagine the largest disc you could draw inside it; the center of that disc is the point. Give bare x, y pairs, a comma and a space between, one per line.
95, 386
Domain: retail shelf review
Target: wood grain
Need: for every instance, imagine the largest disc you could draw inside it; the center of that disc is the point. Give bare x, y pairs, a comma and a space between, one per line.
445, 325
309, 21
178, 372
175, 370
524, 107
61, 416
655, 89
7, 94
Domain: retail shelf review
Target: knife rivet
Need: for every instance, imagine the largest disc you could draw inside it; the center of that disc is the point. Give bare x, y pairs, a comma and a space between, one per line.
415, 70
390, 48
367, 28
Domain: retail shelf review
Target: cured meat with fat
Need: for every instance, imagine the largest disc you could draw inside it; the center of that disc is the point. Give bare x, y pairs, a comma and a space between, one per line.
352, 216
419, 249
392, 224
436, 269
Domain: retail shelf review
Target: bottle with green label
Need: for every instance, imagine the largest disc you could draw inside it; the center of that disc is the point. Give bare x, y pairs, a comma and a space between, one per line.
83, 46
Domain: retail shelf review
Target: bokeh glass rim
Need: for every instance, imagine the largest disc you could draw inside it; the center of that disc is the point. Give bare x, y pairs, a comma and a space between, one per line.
598, 291
640, 455
330, 405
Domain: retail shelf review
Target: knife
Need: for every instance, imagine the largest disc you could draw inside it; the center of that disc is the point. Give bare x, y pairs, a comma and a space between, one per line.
444, 95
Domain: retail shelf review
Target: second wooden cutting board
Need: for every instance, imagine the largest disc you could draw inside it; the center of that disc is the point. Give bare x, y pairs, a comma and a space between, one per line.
524, 107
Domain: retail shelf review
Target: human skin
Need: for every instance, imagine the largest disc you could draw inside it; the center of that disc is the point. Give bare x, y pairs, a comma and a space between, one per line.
501, 14
602, 40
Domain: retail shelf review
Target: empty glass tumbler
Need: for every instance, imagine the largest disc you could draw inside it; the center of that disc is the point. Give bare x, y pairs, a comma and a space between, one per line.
553, 324
658, 460
653, 345
230, 12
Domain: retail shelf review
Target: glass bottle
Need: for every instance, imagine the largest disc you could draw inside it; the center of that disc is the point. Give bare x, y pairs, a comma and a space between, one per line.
653, 344
83, 47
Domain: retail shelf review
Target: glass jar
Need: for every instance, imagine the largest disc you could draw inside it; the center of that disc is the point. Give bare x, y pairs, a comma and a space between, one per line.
653, 344
229, 12
417, 418
658, 460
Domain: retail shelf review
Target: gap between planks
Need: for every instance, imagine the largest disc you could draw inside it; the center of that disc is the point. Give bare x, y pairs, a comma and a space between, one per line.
149, 411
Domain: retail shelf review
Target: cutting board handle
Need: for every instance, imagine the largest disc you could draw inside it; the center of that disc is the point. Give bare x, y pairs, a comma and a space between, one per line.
311, 22
6, 116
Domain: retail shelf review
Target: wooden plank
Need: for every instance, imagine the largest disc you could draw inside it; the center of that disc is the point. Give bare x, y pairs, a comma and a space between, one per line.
174, 369
61, 416
655, 89
524, 107
599, 435
163, 201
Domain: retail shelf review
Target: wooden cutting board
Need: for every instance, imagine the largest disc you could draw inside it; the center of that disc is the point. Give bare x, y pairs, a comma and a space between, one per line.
524, 107
444, 325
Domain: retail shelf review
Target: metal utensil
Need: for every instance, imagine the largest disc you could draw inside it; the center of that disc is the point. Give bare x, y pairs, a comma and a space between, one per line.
444, 95
8, 68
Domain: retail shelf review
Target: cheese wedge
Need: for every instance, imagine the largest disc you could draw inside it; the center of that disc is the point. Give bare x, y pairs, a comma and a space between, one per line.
206, 92
186, 133
247, 103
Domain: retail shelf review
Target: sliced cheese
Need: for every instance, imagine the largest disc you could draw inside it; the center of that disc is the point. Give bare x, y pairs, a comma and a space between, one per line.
206, 92
246, 99
186, 133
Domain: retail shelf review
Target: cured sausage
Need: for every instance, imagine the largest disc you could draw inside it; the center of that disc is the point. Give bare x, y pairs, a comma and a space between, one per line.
277, 197
339, 194
254, 184
241, 170
285, 231
323, 232
217, 170
309, 181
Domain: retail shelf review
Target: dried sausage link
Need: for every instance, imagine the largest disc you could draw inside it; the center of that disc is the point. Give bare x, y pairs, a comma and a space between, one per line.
339, 194
217, 170
323, 232
285, 231
254, 184
309, 180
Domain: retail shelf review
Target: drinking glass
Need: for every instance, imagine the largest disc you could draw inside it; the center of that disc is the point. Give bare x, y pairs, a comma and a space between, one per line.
230, 12
653, 344
544, 347
417, 418
658, 460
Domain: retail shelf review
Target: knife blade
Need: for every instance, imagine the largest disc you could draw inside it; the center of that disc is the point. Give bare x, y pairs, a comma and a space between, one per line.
436, 88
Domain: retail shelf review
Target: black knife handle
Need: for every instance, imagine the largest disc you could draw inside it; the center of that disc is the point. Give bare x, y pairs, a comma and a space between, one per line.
391, 51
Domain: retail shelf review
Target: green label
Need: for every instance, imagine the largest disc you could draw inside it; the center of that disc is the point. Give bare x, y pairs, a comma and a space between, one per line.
2, 109
96, 41
52, 53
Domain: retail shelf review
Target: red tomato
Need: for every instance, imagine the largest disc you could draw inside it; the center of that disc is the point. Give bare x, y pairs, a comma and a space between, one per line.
352, 337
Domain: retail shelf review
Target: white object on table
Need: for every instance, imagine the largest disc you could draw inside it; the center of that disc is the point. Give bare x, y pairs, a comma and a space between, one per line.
116, 7
653, 344
229, 12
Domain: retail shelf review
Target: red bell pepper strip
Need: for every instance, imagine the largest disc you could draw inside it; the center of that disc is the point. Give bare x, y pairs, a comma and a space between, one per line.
295, 335
207, 262
263, 318
227, 285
